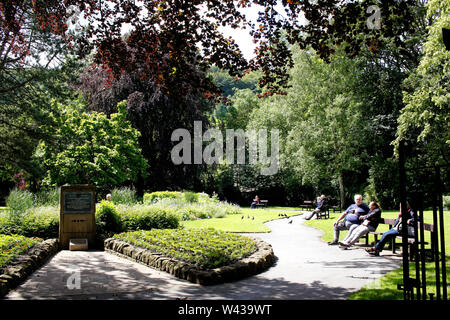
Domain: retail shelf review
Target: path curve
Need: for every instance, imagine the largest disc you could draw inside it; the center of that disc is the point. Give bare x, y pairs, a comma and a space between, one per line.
306, 268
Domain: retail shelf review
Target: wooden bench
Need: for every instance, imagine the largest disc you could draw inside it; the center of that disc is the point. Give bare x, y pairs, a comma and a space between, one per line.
323, 213
307, 204
336, 208
411, 240
262, 203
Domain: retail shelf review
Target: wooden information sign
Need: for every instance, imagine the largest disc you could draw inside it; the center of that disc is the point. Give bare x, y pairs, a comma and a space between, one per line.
77, 214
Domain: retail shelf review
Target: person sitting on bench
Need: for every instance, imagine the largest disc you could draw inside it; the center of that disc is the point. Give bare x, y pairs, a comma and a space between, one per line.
254, 203
369, 224
394, 231
351, 216
320, 206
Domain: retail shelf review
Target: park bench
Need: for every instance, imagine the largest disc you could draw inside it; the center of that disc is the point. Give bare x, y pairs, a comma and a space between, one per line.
307, 204
262, 204
325, 213
411, 241
336, 208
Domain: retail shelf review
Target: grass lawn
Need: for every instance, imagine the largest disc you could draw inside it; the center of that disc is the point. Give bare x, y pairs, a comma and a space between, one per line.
385, 288
240, 222
285, 208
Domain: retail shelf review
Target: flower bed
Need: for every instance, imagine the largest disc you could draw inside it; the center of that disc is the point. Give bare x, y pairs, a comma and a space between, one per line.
260, 260
12, 246
205, 248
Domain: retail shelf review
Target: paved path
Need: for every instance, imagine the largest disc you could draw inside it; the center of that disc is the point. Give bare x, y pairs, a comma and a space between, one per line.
306, 268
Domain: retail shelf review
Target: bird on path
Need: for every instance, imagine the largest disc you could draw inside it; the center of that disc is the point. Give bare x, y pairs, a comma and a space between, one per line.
290, 221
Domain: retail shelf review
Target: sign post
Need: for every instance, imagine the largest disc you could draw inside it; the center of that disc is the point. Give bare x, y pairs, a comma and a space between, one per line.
77, 217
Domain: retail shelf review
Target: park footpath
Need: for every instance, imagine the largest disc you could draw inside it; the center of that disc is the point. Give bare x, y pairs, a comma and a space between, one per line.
305, 268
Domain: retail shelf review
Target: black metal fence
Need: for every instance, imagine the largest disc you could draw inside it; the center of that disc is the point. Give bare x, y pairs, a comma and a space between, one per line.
428, 243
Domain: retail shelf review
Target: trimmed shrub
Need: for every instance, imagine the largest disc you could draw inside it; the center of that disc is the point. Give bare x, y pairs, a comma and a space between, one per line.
107, 219
150, 198
142, 217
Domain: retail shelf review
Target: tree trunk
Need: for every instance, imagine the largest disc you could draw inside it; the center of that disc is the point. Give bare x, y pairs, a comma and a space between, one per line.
341, 190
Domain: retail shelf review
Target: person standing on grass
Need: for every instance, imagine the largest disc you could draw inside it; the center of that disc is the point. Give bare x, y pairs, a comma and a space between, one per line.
369, 223
350, 216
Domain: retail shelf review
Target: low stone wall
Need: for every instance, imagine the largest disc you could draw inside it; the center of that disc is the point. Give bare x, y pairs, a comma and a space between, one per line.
259, 261
21, 267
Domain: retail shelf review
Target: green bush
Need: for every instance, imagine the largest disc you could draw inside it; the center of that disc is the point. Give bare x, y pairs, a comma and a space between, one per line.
150, 198
50, 197
207, 248
42, 222
142, 217
107, 219
190, 197
18, 202
124, 196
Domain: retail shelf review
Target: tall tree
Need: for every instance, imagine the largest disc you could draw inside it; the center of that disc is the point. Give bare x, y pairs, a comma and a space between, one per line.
425, 120
92, 148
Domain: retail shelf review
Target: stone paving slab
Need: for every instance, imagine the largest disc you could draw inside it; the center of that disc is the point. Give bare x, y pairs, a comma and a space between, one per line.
306, 268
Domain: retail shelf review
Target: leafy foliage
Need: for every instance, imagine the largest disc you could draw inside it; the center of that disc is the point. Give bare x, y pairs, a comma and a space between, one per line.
152, 197
204, 247
40, 222
107, 219
124, 195
11, 246
93, 149
425, 117
142, 217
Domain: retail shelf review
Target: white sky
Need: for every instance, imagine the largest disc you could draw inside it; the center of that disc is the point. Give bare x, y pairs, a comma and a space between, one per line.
240, 36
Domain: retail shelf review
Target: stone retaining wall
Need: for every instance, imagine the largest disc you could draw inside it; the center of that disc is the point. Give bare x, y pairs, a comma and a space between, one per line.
21, 267
259, 261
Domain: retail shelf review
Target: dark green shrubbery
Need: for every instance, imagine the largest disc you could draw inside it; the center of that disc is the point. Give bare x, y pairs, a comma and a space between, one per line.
141, 217
107, 219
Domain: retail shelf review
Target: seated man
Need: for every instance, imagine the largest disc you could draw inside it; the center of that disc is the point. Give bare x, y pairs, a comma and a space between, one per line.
351, 216
370, 224
394, 231
320, 206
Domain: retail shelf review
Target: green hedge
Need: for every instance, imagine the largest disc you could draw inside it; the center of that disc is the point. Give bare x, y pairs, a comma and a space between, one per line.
141, 217
43, 222
150, 198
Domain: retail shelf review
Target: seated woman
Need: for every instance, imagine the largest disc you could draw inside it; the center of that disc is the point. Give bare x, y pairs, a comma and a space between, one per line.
369, 224
255, 202
394, 231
